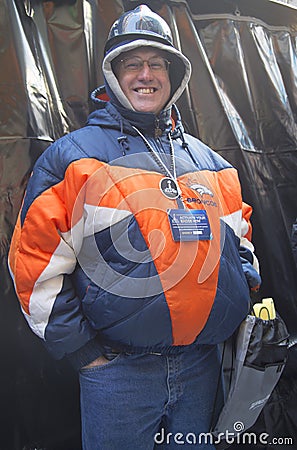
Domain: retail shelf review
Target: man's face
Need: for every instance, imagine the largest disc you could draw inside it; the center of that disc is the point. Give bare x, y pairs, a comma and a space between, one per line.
146, 85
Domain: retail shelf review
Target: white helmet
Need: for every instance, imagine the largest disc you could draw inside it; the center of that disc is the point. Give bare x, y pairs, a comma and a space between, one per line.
142, 27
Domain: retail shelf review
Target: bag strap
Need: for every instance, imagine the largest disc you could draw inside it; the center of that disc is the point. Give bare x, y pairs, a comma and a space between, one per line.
229, 343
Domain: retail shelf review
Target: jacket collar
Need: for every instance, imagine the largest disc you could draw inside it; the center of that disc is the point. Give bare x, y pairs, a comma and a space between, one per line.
147, 123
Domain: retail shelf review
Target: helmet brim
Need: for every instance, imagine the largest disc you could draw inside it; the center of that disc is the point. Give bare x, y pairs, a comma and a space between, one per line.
129, 37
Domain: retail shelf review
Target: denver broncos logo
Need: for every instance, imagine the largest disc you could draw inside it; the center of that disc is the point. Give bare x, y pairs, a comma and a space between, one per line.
201, 189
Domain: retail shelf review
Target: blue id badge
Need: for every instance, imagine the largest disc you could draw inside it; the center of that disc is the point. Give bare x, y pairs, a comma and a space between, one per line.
189, 224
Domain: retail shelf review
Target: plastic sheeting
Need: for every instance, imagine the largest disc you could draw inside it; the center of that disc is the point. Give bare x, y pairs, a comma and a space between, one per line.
249, 116
242, 101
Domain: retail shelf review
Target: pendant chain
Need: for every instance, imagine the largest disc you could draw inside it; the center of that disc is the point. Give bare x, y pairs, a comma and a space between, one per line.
171, 173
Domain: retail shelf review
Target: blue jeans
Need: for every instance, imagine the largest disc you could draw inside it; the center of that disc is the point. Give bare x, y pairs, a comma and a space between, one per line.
146, 402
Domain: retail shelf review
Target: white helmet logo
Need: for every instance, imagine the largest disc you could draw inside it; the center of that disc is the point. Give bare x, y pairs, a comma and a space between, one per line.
201, 189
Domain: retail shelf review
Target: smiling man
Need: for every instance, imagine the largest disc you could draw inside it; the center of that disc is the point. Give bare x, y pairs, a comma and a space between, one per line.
132, 255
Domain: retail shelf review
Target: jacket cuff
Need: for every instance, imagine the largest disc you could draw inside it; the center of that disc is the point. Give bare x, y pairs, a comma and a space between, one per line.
85, 355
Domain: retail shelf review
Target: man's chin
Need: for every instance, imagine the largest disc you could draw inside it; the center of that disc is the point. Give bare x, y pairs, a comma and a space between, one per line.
145, 108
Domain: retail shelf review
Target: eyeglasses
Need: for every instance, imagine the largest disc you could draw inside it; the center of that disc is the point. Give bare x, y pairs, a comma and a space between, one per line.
135, 64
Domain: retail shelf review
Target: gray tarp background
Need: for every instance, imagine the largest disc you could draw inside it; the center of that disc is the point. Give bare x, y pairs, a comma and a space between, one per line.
242, 101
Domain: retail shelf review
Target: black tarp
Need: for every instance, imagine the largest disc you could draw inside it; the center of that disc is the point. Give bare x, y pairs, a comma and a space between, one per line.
242, 101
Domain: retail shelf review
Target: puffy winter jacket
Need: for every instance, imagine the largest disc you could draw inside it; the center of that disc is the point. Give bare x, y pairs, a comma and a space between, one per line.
92, 255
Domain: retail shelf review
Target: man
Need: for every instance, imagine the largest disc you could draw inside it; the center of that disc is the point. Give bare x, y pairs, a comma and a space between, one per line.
132, 252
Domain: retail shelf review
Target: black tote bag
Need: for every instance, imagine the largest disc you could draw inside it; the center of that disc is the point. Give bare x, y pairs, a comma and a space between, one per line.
260, 355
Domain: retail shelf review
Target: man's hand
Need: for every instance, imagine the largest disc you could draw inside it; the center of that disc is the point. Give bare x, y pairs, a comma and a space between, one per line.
100, 361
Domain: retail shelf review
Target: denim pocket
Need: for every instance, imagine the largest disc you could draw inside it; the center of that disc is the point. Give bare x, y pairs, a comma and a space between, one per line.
89, 370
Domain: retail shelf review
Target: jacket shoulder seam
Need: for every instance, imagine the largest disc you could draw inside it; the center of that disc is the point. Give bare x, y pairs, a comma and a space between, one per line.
70, 138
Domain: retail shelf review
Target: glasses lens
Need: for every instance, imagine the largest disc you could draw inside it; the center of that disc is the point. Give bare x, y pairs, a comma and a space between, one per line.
134, 64
157, 64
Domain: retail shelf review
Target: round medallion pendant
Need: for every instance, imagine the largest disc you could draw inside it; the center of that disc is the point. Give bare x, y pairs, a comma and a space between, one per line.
169, 188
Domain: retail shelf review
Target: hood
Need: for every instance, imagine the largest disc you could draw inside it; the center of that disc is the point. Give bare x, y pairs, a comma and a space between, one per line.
179, 72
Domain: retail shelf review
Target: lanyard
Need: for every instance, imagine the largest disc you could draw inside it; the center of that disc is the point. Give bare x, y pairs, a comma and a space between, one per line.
170, 173
168, 185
